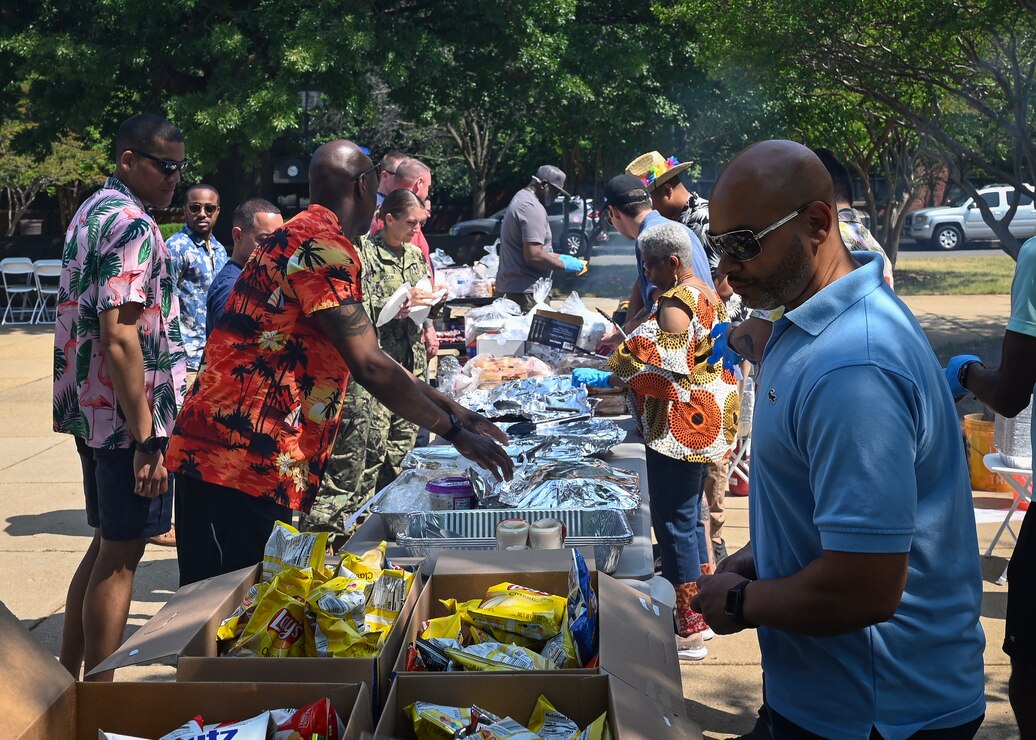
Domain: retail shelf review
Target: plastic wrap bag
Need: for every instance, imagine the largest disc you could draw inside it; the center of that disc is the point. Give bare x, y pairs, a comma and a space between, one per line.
489, 318
441, 260
594, 325
541, 293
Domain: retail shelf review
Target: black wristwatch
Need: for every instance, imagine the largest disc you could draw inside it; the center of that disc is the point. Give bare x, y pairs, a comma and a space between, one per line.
153, 445
455, 429
736, 604
962, 372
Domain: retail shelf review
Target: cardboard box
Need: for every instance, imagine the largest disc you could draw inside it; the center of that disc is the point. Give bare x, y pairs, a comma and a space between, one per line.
581, 698
186, 628
41, 701
492, 344
560, 330
636, 639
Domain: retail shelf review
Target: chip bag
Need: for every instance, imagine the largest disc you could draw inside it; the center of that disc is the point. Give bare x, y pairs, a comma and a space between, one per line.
436, 721
277, 626
506, 729
255, 728
335, 618
316, 720
550, 724
386, 599
492, 656
232, 627
366, 567
520, 610
287, 547
559, 649
582, 610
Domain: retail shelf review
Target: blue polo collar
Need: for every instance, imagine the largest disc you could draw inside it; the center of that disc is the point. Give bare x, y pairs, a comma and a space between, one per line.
817, 313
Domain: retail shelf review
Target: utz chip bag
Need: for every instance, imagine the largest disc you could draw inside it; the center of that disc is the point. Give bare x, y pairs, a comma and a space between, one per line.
287, 547
277, 627
506, 729
256, 728
523, 611
334, 618
437, 721
316, 720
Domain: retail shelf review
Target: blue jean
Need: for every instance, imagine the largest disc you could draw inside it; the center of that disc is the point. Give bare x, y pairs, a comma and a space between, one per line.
675, 489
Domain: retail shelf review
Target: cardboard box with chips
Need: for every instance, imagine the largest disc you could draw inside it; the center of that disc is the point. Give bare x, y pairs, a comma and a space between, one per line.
637, 646
185, 628
41, 701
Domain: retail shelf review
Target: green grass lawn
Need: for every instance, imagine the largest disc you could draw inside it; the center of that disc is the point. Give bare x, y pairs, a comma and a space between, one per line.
954, 275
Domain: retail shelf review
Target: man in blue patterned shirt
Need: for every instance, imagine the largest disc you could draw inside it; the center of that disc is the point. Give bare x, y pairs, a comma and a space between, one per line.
197, 259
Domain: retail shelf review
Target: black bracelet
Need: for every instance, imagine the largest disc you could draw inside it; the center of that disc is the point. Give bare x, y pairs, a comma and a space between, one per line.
962, 374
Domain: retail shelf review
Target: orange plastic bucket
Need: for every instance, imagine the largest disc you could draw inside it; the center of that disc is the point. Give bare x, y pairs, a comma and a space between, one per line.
978, 441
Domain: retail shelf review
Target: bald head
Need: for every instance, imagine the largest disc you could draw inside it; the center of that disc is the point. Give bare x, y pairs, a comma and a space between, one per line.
335, 182
766, 181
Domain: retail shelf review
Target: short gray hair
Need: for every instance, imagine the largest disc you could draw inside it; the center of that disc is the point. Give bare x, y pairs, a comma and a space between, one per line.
666, 240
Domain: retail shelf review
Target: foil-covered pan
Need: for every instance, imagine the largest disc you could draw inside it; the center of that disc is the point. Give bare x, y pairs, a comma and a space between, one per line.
530, 399
570, 484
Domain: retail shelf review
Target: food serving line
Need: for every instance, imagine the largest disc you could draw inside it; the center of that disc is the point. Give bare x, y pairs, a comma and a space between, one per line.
461, 606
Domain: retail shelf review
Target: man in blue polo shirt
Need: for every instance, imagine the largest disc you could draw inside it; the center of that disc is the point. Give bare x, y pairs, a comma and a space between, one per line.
862, 574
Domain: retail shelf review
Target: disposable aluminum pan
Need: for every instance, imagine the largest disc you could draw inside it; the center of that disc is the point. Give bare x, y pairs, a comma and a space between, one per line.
606, 530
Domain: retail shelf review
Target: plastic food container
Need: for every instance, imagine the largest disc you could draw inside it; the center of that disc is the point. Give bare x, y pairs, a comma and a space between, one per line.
605, 530
451, 493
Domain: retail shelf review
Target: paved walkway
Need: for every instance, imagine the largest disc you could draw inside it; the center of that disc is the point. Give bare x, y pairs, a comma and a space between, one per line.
44, 532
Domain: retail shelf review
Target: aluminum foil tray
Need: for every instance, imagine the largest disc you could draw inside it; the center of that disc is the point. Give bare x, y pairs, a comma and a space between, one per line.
606, 530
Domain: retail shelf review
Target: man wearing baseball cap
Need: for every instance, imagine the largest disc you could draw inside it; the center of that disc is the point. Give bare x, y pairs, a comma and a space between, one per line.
526, 243
628, 205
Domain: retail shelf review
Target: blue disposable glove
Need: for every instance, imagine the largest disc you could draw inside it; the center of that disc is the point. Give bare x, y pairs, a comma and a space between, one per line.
722, 351
571, 263
590, 377
952, 370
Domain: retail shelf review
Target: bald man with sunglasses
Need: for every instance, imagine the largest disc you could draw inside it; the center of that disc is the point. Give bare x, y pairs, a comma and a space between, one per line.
862, 573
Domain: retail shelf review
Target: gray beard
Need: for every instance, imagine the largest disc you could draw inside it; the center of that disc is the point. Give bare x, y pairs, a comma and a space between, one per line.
784, 284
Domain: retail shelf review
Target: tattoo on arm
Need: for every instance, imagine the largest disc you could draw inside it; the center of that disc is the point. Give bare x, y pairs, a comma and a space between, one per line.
344, 322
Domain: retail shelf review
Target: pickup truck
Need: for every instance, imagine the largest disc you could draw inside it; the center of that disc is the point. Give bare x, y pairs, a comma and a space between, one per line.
951, 226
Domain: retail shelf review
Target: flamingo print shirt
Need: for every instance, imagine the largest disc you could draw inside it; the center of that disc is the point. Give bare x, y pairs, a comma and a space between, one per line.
113, 255
265, 408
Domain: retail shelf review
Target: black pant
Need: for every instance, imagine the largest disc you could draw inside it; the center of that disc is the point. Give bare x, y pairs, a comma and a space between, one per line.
220, 529
784, 729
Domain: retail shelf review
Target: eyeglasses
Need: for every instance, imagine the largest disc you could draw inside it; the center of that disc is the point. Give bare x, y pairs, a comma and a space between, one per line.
743, 245
389, 172
168, 166
375, 168
196, 208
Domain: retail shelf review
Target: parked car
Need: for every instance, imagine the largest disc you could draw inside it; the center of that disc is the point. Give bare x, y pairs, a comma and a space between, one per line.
582, 218
951, 226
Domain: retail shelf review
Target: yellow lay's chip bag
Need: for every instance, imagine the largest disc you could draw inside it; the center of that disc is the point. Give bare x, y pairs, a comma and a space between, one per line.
386, 598
492, 656
232, 627
367, 566
436, 721
287, 547
523, 611
277, 626
334, 618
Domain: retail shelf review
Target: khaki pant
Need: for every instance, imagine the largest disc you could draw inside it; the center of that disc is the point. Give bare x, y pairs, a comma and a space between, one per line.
715, 491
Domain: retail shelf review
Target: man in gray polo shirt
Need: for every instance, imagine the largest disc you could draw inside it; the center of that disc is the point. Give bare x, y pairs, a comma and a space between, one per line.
526, 244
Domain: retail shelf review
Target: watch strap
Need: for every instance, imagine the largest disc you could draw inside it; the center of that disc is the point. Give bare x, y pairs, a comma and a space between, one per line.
455, 429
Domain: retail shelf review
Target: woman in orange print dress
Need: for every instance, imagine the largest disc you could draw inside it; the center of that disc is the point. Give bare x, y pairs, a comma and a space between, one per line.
685, 408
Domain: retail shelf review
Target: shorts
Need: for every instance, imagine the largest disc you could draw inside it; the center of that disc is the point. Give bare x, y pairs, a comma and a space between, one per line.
220, 529
111, 505
1019, 638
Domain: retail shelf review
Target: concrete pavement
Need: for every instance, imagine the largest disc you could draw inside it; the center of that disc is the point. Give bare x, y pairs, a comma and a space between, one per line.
44, 532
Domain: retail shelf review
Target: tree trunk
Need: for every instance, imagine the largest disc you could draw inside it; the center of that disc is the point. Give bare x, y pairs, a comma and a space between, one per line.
478, 195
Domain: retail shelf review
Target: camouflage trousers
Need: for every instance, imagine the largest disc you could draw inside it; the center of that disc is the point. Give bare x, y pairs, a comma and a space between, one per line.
366, 457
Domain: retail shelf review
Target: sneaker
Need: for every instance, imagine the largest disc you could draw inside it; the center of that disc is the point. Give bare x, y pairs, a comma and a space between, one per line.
719, 550
164, 540
700, 627
691, 647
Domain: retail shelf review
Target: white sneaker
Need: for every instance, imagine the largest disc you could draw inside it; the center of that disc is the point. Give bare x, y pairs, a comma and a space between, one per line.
691, 648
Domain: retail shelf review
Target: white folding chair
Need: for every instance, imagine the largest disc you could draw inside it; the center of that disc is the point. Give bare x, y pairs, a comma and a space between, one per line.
47, 274
1021, 481
19, 282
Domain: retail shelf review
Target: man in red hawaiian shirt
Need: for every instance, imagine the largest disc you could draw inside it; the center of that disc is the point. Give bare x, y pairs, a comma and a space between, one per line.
253, 438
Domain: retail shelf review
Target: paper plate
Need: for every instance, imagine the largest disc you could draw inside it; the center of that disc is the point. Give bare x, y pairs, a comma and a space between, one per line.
393, 304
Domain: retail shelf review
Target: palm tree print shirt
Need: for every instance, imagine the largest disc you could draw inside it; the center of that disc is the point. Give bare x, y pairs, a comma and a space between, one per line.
114, 255
265, 408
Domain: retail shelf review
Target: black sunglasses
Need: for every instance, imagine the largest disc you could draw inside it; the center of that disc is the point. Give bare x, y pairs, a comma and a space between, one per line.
375, 168
168, 166
196, 208
743, 245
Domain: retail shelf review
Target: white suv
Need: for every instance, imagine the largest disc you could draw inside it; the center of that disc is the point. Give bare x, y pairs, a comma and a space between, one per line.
949, 227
